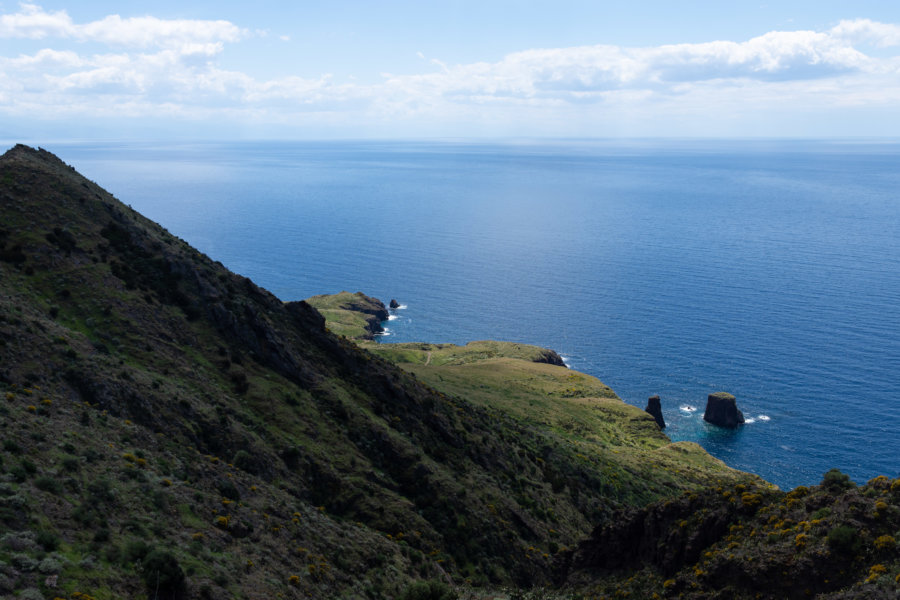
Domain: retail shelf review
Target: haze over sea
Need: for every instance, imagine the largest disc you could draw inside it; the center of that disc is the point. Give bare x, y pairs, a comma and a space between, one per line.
770, 270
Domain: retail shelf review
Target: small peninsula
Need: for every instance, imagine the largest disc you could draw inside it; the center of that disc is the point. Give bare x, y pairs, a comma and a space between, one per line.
355, 316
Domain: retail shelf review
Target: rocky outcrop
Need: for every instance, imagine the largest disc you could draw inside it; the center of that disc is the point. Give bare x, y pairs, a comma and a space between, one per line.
550, 357
362, 303
722, 410
394, 304
655, 408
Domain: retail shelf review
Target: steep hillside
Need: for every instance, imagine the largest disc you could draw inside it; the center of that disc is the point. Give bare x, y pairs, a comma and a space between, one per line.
169, 428
621, 444
832, 541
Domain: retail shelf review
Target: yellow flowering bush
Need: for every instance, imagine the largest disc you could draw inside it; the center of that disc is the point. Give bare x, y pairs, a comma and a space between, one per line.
875, 571
885, 542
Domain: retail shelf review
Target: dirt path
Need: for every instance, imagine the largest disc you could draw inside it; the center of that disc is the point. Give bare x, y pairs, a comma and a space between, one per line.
428, 360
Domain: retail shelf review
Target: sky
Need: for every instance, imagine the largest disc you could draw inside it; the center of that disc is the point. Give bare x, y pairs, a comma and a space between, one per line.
449, 69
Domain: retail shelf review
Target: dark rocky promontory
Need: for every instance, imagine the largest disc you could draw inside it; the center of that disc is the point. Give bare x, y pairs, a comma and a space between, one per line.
550, 357
722, 410
655, 408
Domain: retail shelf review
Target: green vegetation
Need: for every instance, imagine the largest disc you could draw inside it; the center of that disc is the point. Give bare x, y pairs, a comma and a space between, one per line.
355, 316
451, 354
779, 545
428, 590
619, 445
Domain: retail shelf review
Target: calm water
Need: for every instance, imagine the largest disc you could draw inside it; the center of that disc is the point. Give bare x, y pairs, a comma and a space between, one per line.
769, 270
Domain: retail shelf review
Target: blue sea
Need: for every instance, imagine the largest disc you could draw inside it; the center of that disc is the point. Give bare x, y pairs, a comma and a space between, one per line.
767, 269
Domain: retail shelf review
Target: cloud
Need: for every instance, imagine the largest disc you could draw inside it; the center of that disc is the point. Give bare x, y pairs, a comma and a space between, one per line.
777, 56
867, 31
34, 22
158, 67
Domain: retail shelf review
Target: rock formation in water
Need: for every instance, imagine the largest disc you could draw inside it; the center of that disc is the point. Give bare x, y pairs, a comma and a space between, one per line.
394, 304
655, 408
722, 410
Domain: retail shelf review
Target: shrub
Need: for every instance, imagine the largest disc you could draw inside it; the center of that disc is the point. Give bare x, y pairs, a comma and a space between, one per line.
835, 481
163, 576
18, 473
750, 500
49, 541
50, 566
245, 462
48, 484
885, 542
875, 571
87, 514
821, 513
844, 539
228, 490
134, 551
798, 492
881, 482
101, 535
101, 491
428, 590
112, 554
31, 594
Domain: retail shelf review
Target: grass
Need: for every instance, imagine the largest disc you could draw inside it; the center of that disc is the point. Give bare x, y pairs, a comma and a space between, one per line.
354, 316
620, 440
451, 354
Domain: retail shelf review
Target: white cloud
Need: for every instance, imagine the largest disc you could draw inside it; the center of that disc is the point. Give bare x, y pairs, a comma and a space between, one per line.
777, 56
34, 22
164, 68
866, 30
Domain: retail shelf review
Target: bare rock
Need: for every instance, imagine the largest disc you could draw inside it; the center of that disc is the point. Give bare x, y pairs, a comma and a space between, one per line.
655, 408
722, 410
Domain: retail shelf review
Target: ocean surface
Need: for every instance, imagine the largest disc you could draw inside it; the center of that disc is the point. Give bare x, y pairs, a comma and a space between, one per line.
770, 270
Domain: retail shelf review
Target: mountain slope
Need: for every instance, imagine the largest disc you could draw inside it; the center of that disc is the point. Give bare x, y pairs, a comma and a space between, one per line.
831, 541
169, 428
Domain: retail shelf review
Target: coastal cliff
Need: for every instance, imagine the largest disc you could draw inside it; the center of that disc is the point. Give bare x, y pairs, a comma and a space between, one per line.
172, 429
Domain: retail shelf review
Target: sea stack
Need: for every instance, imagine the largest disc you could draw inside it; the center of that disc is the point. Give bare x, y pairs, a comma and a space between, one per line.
394, 304
722, 410
655, 408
